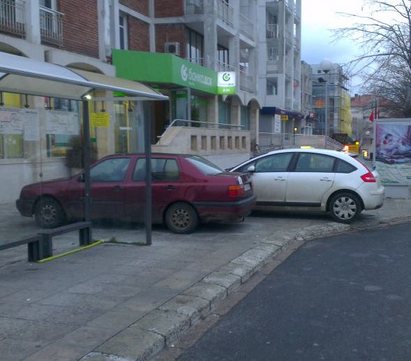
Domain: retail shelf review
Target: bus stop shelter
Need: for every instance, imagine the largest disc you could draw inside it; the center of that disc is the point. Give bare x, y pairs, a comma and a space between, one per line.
30, 77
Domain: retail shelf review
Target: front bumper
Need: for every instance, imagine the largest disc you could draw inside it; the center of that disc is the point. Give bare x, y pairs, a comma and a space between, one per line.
25, 207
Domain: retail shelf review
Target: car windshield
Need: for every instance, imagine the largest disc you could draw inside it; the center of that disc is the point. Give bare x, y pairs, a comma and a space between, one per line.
204, 165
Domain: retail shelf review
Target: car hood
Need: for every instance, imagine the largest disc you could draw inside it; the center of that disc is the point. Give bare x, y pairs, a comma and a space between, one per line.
45, 183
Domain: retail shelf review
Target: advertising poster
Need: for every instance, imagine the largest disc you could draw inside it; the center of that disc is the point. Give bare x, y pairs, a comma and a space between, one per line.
393, 152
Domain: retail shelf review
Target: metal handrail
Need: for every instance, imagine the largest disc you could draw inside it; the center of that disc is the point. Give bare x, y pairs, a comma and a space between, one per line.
209, 125
12, 17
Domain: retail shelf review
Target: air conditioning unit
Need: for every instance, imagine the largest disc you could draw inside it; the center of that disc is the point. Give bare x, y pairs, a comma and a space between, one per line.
172, 48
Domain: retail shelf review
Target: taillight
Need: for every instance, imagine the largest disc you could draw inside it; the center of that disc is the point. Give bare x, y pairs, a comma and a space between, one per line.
236, 191
368, 178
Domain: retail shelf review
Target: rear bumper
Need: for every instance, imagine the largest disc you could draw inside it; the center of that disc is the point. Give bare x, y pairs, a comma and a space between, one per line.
374, 199
225, 211
25, 207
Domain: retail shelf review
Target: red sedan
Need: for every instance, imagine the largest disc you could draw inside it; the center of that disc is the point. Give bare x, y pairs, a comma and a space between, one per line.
186, 189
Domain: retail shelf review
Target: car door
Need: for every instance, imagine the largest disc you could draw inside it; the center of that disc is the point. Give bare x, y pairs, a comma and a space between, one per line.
166, 187
108, 181
269, 178
310, 179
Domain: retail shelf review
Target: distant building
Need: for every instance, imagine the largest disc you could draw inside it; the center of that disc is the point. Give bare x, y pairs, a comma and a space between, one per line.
339, 110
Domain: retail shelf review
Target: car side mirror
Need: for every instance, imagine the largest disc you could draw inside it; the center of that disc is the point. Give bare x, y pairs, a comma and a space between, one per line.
251, 169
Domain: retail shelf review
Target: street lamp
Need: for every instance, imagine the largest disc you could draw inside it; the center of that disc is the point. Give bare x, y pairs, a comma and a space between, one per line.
326, 66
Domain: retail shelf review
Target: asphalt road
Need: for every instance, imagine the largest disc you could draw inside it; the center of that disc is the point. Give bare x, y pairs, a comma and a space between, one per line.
340, 298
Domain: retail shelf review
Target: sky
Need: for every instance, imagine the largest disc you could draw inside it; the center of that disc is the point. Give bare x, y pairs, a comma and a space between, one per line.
318, 17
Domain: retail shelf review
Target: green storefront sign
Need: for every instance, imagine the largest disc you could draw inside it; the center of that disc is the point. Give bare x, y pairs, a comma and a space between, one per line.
164, 68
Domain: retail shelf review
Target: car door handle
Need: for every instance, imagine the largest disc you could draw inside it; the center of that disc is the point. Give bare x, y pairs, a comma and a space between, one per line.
117, 188
281, 179
325, 179
171, 188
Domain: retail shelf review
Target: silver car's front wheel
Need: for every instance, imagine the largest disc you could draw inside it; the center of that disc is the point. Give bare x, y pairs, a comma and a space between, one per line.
345, 207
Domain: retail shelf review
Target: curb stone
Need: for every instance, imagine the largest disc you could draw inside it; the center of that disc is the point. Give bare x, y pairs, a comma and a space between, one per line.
148, 336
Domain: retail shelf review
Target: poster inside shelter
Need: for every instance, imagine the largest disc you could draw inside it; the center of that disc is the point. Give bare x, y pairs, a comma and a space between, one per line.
393, 152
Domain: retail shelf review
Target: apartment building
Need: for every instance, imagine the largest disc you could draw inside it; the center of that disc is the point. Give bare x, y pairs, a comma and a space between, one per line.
279, 70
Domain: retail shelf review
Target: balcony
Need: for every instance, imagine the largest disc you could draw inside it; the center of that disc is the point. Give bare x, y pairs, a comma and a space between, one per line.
247, 82
246, 27
12, 17
225, 12
194, 7
51, 26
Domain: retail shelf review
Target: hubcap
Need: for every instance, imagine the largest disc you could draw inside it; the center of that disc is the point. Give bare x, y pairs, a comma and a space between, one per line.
48, 214
181, 218
345, 208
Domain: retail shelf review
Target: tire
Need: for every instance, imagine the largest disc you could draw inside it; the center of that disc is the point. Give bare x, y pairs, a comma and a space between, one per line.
49, 214
181, 218
345, 207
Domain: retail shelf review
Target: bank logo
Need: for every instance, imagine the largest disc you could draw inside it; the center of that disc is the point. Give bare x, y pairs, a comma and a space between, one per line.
226, 77
184, 72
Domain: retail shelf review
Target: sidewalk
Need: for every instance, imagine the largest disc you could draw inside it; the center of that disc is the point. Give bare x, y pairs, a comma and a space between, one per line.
120, 301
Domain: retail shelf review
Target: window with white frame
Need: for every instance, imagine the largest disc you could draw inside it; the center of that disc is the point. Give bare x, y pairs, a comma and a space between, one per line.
123, 30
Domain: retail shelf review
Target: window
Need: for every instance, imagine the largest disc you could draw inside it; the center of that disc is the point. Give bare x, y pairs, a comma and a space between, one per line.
223, 56
195, 48
245, 118
314, 163
224, 112
123, 31
204, 165
273, 163
165, 170
110, 170
344, 167
272, 85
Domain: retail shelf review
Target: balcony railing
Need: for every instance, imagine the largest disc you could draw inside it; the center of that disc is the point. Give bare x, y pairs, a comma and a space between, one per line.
51, 26
194, 7
246, 27
272, 31
12, 17
225, 12
224, 66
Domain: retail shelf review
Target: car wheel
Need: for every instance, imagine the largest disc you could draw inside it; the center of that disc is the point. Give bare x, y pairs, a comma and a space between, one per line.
48, 213
181, 218
345, 207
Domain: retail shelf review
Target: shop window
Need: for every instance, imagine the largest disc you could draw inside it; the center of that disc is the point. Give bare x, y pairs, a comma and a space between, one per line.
62, 126
198, 108
245, 118
11, 137
224, 113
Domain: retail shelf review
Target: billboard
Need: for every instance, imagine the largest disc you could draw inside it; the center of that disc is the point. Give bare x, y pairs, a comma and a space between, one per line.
393, 151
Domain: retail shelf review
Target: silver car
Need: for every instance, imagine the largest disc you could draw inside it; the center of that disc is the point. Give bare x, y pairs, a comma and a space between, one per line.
314, 180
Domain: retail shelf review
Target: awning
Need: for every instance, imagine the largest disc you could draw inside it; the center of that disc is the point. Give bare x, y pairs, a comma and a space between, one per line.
27, 76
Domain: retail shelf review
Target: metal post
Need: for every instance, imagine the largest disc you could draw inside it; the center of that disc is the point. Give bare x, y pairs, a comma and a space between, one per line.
326, 108
87, 180
147, 148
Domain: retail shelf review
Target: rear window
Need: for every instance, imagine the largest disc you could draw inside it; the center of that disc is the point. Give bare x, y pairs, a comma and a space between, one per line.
204, 166
162, 169
344, 167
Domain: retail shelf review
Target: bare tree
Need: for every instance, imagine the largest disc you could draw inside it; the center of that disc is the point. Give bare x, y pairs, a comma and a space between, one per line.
383, 33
